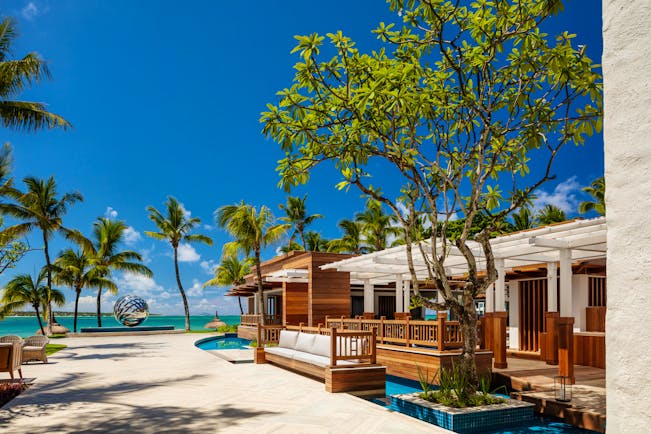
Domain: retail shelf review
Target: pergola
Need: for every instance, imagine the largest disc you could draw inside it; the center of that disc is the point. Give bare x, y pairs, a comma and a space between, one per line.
558, 246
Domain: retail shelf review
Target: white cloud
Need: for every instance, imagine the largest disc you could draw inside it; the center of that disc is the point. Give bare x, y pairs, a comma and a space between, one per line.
30, 11
132, 283
208, 227
165, 295
110, 213
187, 253
131, 236
196, 290
563, 196
147, 254
208, 266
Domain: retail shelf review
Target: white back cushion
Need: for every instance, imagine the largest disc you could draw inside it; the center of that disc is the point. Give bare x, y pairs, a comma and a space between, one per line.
287, 339
304, 342
321, 345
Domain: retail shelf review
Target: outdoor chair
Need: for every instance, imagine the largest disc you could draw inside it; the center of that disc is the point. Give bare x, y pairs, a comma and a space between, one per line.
11, 356
11, 339
34, 349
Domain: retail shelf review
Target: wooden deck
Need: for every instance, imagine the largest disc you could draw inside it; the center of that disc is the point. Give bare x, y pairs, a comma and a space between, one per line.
533, 381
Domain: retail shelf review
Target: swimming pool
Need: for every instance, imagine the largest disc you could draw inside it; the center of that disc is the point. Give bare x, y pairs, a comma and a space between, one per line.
540, 425
227, 342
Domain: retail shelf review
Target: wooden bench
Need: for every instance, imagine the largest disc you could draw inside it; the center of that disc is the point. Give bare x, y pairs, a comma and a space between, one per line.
344, 359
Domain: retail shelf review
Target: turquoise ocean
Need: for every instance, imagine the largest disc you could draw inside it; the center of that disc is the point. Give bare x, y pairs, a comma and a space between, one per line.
28, 325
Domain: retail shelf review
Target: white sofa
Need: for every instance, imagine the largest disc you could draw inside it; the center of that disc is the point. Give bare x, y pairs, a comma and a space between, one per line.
307, 348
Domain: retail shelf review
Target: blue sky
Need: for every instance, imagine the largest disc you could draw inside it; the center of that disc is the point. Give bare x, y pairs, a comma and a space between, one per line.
165, 99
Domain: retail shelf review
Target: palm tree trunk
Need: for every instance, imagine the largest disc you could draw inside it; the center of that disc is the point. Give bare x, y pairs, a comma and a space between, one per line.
38, 317
239, 300
49, 284
178, 282
262, 308
99, 306
78, 291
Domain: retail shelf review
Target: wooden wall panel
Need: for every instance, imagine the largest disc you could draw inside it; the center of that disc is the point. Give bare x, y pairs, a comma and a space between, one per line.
329, 294
596, 291
295, 303
533, 305
590, 349
595, 318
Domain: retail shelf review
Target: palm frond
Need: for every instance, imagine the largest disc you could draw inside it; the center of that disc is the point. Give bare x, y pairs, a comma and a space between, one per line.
29, 116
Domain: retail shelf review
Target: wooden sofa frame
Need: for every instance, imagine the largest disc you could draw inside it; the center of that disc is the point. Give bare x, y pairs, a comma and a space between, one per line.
360, 374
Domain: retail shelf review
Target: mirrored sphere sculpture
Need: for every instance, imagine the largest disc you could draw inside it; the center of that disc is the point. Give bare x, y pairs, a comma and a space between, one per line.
130, 310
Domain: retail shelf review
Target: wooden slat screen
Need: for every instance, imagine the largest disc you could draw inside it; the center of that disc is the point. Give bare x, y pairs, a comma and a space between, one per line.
597, 291
533, 305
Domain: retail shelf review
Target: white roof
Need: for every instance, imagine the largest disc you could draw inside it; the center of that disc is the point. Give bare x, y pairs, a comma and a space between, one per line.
585, 238
296, 275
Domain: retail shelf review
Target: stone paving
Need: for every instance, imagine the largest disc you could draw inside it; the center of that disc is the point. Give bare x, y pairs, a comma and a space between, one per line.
162, 383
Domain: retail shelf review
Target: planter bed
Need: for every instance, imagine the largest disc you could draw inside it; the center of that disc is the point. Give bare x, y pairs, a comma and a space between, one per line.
463, 420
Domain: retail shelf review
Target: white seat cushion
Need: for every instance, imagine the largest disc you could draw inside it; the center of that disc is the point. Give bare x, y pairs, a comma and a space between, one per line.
279, 351
312, 359
321, 346
287, 339
304, 342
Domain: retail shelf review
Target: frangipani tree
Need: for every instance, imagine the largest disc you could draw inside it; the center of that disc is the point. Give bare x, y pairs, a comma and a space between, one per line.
458, 102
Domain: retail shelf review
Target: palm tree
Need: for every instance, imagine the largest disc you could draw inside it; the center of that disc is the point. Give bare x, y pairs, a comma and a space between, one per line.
175, 227
107, 236
23, 289
231, 271
39, 207
315, 242
79, 270
15, 76
291, 246
550, 214
598, 191
523, 220
253, 230
351, 240
376, 226
296, 215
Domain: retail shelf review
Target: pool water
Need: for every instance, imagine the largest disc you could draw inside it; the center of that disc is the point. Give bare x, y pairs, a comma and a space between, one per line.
539, 425
223, 343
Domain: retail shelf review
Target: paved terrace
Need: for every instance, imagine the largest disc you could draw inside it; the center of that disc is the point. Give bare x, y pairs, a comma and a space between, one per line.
162, 383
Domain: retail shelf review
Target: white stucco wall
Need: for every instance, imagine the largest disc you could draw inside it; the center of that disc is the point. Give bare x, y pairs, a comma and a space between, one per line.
514, 315
627, 137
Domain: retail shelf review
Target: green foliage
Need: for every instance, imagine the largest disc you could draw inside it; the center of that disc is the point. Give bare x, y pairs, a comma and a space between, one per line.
16, 75
228, 328
550, 214
455, 389
296, 216
597, 190
53, 348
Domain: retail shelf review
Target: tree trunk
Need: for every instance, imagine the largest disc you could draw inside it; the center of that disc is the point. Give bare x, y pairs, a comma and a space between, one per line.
239, 300
262, 308
50, 321
99, 306
78, 293
468, 324
38, 317
178, 282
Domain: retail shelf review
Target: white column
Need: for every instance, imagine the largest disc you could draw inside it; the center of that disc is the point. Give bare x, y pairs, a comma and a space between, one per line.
369, 296
500, 286
399, 296
552, 287
514, 309
407, 295
565, 260
490, 298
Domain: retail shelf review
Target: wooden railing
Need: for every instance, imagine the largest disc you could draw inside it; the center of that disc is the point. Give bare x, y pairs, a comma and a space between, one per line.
357, 345
442, 334
254, 320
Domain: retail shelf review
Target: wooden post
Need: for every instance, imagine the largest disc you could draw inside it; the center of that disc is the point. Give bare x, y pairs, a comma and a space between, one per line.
551, 324
407, 331
333, 346
258, 354
373, 345
499, 339
300, 326
488, 330
566, 347
382, 318
260, 343
440, 332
